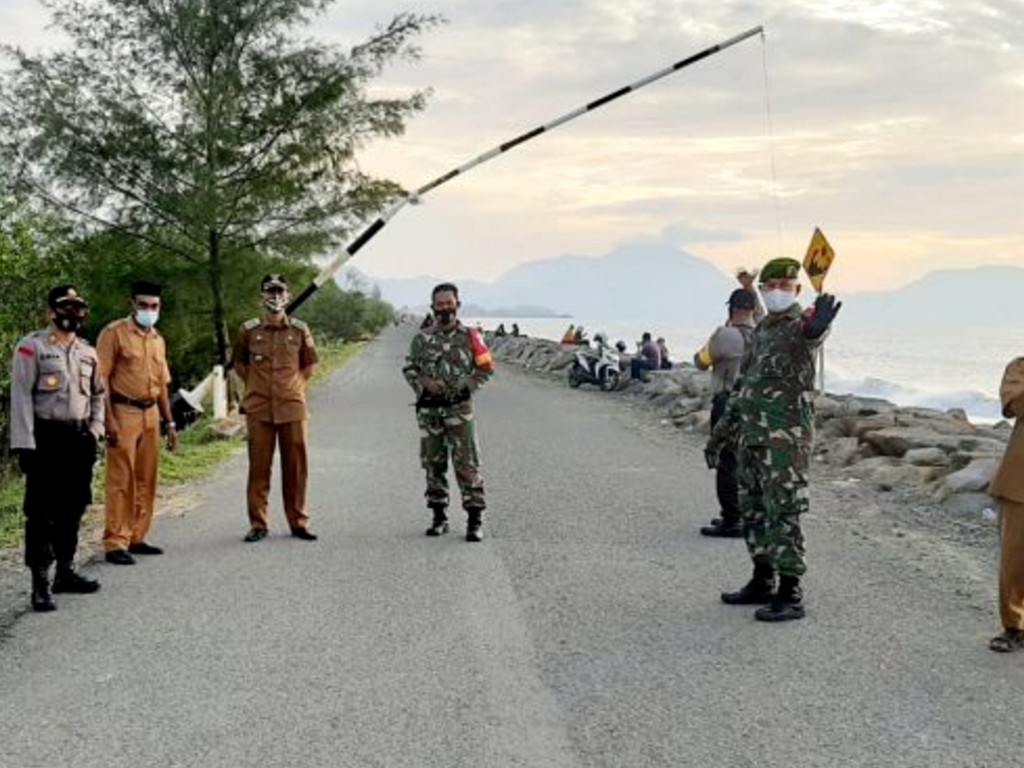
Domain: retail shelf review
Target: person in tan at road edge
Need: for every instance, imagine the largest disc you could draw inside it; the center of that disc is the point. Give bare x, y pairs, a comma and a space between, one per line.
1008, 488
133, 361
275, 356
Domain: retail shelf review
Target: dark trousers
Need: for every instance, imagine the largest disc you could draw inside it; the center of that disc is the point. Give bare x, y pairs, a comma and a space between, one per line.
58, 488
639, 366
726, 483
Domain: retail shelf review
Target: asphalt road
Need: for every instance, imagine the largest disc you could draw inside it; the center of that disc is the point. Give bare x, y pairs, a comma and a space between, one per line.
585, 630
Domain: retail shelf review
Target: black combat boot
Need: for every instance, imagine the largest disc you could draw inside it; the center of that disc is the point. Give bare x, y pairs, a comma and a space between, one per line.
42, 601
723, 529
70, 580
474, 525
440, 525
758, 591
787, 604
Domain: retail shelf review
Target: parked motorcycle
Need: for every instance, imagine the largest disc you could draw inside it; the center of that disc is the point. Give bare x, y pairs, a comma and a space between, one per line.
598, 366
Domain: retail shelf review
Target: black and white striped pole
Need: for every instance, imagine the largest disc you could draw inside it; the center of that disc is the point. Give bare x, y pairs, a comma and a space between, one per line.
335, 264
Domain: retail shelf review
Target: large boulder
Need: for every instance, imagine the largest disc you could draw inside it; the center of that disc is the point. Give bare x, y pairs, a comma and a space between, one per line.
975, 477
682, 406
968, 504
927, 457
888, 478
896, 441
840, 451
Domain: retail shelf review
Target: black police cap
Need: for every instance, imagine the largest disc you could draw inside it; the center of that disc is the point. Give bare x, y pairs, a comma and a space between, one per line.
273, 280
64, 294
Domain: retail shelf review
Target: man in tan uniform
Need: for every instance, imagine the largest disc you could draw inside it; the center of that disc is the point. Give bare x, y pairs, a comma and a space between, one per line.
275, 356
133, 360
1008, 487
56, 421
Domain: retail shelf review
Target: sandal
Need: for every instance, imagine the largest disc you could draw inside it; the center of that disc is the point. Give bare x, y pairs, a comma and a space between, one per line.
1008, 642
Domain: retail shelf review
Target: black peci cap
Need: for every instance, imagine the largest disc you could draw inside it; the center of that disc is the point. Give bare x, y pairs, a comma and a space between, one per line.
145, 288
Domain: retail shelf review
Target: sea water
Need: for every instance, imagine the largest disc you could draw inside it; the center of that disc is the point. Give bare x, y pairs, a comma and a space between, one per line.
939, 368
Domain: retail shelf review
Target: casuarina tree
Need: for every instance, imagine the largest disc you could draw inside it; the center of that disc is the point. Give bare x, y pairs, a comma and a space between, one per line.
207, 128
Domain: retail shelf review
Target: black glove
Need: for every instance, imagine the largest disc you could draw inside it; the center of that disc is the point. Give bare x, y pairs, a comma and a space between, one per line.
825, 310
711, 456
26, 460
713, 449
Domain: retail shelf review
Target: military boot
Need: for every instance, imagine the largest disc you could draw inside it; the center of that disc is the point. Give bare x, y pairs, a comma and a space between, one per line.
474, 525
758, 591
786, 605
42, 601
440, 525
723, 529
70, 580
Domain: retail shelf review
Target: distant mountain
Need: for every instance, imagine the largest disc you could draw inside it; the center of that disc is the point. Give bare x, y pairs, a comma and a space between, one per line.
646, 280
653, 281
950, 297
474, 310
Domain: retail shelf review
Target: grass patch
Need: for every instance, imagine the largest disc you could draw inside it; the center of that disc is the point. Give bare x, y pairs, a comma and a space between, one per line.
333, 355
12, 524
198, 453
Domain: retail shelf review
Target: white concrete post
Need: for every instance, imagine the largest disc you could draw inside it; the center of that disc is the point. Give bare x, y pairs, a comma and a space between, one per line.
220, 393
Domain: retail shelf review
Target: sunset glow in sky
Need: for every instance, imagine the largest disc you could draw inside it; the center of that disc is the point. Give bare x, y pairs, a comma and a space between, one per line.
898, 129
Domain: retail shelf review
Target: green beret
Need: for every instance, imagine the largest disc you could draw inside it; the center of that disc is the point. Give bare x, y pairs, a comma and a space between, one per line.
780, 269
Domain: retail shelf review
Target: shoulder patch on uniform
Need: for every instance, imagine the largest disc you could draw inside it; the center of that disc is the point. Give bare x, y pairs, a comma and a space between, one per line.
27, 350
250, 324
296, 323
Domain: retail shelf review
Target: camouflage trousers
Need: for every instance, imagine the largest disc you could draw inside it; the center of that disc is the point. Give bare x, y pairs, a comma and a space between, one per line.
773, 495
444, 431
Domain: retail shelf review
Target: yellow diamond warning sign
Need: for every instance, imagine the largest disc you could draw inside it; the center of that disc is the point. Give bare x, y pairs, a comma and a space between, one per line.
818, 259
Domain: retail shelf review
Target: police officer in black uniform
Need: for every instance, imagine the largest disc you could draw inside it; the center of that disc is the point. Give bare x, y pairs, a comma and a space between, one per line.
56, 422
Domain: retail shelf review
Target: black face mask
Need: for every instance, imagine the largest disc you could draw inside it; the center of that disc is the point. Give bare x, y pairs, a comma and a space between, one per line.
68, 322
444, 316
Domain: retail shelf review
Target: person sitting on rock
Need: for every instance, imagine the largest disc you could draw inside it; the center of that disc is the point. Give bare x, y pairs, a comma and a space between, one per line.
649, 358
515, 330
580, 336
569, 337
500, 331
666, 364
1007, 487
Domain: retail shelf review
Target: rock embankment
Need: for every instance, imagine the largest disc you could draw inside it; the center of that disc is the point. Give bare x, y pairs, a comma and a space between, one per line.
938, 453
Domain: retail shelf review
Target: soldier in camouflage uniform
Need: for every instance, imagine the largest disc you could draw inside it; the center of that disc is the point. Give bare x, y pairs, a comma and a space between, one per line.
446, 364
769, 420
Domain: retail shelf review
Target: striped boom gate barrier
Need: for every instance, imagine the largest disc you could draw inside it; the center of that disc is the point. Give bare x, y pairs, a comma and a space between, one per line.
336, 263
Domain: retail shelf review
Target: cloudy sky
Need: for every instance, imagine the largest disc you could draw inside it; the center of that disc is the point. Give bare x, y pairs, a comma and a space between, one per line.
898, 129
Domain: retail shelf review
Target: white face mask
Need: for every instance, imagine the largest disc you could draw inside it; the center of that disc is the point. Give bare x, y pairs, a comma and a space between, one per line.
147, 317
275, 302
778, 300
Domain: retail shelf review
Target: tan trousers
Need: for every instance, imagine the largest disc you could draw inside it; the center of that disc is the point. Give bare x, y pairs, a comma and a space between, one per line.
291, 438
1011, 564
131, 477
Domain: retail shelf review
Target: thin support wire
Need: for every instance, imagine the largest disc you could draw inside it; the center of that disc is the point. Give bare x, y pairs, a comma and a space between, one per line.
771, 146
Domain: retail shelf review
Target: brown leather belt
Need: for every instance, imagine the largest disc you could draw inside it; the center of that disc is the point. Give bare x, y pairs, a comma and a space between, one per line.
120, 399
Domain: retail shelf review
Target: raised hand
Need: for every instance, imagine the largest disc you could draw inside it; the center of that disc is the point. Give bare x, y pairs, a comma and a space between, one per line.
825, 310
